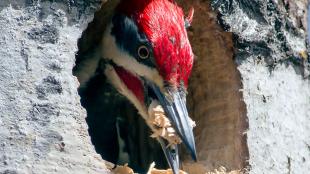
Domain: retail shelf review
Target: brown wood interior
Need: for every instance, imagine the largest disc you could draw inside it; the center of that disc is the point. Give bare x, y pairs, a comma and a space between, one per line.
214, 99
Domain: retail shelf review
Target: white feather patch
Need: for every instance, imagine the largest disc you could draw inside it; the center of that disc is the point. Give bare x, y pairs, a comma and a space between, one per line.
123, 59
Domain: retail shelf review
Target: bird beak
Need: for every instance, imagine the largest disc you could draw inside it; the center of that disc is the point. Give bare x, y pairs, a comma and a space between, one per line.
171, 153
174, 105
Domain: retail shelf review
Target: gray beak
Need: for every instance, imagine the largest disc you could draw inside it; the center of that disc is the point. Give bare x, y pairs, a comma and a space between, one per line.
175, 108
172, 155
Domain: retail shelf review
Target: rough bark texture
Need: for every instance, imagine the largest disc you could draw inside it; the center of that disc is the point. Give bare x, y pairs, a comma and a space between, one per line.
42, 124
251, 78
271, 55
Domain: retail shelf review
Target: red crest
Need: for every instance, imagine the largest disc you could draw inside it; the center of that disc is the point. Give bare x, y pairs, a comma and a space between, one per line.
162, 21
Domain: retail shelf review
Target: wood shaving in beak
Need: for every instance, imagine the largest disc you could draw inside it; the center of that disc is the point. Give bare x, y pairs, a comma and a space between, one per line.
161, 125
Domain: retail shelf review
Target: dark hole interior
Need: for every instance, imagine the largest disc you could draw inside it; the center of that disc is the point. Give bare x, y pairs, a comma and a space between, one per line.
214, 102
117, 132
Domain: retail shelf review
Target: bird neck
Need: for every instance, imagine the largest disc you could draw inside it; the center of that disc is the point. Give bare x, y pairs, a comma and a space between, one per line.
127, 84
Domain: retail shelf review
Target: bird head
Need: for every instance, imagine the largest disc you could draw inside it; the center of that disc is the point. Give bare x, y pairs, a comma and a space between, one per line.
150, 59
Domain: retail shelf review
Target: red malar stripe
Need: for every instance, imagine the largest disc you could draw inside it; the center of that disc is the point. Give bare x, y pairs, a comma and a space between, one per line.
133, 83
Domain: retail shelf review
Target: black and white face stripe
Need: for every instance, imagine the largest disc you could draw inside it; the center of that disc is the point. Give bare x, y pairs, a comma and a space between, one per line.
131, 40
130, 49
126, 46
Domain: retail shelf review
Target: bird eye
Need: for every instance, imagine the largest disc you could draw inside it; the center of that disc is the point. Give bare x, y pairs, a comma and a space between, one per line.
143, 52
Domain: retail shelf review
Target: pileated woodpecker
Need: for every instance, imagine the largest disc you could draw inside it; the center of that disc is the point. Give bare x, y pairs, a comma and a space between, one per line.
146, 56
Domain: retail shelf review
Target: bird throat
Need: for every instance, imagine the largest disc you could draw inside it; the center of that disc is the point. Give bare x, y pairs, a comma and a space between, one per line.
128, 84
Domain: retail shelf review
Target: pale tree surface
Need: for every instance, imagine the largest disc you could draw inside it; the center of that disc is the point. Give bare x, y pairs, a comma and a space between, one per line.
42, 124
272, 59
249, 92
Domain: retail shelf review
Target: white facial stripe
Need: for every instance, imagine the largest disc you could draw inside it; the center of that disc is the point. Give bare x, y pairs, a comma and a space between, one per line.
123, 59
122, 88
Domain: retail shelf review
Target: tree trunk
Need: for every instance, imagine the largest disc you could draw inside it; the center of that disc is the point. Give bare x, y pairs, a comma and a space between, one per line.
249, 92
42, 124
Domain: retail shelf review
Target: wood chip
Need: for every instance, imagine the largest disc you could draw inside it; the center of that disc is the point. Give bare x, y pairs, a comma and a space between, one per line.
123, 170
153, 170
161, 125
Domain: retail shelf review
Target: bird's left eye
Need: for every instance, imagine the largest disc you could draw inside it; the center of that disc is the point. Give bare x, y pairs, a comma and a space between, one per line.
143, 52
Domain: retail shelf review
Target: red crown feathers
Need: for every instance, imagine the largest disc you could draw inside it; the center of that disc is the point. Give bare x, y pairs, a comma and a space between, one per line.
163, 23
